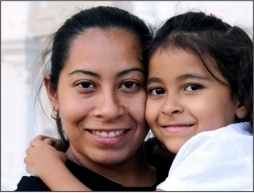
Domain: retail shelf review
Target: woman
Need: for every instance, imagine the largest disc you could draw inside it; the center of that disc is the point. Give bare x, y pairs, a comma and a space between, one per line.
96, 90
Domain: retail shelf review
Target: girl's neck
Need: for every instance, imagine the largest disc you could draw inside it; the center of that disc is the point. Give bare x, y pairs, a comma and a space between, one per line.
132, 173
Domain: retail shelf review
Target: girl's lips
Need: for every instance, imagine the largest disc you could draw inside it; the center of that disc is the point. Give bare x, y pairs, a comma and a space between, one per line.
177, 127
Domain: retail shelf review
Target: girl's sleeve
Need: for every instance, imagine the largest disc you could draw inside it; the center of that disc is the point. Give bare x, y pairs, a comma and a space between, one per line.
210, 163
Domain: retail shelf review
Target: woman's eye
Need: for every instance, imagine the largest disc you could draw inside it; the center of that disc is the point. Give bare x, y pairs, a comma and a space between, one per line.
86, 85
128, 84
157, 91
193, 87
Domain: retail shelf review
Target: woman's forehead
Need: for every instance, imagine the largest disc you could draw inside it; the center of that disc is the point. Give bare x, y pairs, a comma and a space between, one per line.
111, 50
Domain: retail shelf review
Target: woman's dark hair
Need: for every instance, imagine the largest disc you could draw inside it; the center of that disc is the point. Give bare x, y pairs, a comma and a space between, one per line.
101, 17
211, 39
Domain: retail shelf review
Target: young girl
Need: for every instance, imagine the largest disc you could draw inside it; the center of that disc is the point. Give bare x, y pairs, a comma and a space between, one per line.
199, 105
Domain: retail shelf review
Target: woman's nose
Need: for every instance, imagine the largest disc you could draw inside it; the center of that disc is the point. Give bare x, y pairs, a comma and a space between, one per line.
108, 106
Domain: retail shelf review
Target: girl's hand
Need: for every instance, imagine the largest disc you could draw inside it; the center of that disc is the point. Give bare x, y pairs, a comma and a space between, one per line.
42, 156
44, 161
49, 140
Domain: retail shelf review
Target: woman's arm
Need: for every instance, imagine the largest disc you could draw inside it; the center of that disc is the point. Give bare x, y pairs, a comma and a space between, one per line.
47, 163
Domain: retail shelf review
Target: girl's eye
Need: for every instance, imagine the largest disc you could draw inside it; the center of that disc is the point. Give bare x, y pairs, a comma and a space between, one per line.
193, 87
157, 91
129, 84
86, 85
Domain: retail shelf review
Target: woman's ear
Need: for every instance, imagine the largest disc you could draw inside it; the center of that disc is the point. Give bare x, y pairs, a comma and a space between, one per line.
52, 94
241, 110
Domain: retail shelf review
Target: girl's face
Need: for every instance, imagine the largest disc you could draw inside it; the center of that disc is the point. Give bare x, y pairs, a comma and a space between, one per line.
101, 97
184, 99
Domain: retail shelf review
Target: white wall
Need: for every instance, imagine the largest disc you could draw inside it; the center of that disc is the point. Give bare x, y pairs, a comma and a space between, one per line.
13, 116
17, 120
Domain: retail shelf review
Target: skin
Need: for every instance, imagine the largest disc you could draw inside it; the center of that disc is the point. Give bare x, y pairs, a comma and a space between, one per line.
99, 89
184, 99
177, 97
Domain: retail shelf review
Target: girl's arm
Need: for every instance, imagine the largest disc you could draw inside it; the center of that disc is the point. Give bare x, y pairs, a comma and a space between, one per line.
47, 163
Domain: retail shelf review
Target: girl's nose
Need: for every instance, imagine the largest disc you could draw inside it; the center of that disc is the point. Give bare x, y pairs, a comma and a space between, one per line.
172, 105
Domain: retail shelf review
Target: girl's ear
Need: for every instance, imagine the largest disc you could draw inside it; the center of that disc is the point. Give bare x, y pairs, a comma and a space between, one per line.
241, 110
52, 94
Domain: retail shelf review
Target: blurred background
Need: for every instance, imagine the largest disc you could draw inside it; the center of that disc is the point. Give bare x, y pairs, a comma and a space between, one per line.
25, 26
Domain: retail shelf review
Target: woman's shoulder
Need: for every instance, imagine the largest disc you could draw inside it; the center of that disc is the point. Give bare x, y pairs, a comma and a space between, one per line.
91, 179
158, 157
31, 183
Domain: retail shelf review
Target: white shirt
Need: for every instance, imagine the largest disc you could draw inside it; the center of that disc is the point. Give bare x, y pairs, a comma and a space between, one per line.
219, 160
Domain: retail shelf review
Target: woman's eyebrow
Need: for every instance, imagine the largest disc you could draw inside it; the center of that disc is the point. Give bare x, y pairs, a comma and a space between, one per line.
124, 72
98, 76
85, 72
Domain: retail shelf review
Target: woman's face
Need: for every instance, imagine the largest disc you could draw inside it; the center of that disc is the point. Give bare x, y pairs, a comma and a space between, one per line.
101, 97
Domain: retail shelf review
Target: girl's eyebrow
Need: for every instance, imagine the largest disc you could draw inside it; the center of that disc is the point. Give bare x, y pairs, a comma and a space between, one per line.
152, 80
180, 78
192, 76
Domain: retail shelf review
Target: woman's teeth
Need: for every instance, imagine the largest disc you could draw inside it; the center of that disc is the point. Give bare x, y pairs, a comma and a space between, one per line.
108, 134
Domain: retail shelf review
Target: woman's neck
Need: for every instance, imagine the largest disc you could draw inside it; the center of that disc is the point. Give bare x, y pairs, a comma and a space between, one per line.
134, 172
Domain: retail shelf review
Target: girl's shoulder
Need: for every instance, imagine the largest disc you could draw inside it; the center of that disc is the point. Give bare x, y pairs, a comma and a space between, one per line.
219, 160
233, 134
232, 140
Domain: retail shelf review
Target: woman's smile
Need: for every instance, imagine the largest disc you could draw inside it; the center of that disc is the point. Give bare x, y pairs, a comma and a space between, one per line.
109, 138
108, 134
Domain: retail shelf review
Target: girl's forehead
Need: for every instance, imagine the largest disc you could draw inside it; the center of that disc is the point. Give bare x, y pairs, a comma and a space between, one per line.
167, 59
